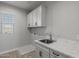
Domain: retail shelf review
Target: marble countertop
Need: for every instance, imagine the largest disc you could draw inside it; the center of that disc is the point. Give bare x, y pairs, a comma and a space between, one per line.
68, 47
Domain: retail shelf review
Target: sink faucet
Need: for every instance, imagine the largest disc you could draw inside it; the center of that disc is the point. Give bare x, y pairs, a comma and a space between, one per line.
50, 35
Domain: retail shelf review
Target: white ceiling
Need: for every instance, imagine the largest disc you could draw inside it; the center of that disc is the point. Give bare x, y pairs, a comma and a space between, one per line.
28, 5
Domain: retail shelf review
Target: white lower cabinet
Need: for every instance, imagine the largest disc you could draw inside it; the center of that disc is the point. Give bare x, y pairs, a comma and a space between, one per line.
52, 56
56, 54
44, 52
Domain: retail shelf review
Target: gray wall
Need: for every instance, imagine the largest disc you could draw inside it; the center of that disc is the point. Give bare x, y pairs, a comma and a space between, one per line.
20, 37
63, 19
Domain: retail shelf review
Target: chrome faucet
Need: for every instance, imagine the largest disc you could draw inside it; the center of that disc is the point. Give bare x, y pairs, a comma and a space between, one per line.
50, 35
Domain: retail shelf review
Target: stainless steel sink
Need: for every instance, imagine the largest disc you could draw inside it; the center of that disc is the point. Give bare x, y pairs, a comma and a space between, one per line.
47, 41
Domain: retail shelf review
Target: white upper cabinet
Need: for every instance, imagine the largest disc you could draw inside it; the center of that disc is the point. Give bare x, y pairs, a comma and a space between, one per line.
29, 19
36, 18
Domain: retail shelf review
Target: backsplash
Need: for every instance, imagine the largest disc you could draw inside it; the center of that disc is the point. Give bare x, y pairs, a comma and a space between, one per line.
42, 33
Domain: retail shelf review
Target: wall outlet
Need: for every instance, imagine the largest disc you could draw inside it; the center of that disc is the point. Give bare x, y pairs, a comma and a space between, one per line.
77, 36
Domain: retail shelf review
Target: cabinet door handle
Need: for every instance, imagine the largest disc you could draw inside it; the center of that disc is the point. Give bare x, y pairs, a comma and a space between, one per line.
40, 53
55, 54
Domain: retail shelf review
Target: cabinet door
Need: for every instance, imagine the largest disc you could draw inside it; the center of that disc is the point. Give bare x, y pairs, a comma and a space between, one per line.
57, 54
39, 16
63, 56
42, 52
31, 19
60, 56
28, 20
34, 15
52, 56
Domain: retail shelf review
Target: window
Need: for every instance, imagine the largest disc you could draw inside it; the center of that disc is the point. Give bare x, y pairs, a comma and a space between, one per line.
6, 23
